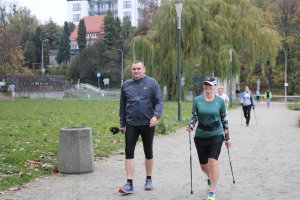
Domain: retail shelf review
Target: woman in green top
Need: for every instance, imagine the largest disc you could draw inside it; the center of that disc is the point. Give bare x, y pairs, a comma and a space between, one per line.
209, 110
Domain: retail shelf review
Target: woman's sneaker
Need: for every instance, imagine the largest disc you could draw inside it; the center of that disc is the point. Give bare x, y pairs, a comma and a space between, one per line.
211, 196
148, 184
126, 189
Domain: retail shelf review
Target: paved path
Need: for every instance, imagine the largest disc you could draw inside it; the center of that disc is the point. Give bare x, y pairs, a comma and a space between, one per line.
265, 159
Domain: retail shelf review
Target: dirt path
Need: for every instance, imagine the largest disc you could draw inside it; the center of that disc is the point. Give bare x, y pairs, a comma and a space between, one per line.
265, 159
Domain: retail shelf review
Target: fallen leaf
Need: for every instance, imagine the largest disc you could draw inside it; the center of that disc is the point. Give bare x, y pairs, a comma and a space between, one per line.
15, 188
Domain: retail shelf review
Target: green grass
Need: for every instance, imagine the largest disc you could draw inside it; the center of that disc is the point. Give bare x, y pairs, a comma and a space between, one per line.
29, 132
294, 106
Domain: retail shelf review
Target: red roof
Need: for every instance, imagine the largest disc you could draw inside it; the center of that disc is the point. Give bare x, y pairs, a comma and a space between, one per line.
93, 24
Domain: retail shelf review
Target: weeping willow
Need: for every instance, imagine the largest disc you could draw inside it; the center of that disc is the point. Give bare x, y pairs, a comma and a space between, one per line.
209, 29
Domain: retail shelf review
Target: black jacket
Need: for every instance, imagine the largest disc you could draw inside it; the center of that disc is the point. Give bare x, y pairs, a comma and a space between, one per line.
140, 100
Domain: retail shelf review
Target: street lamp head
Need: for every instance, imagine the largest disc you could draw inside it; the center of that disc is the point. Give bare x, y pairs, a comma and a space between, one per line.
178, 5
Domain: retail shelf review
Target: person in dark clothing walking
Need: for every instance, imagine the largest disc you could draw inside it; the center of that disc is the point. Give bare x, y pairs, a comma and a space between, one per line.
141, 105
247, 101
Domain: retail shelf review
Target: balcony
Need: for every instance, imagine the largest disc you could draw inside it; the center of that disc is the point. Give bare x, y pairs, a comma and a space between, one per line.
102, 11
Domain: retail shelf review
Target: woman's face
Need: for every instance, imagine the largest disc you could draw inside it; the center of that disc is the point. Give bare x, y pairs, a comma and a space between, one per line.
208, 89
247, 89
220, 91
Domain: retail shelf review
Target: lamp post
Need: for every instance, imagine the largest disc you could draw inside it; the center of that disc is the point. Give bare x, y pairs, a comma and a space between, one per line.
230, 83
43, 68
122, 69
178, 5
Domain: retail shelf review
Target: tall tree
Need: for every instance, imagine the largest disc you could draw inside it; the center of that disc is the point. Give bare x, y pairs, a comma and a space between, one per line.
11, 54
117, 33
98, 57
52, 32
209, 30
37, 39
147, 14
126, 29
63, 55
23, 23
81, 38
287, 19
29, 53
109, 28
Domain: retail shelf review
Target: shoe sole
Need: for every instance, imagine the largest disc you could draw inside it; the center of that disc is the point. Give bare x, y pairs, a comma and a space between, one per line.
122, 191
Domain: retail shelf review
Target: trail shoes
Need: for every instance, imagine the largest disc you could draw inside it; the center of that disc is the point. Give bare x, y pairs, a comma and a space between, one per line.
148, 185
127, 189
211, 196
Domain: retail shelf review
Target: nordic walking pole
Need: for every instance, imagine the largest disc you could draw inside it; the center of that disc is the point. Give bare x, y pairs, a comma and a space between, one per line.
191, 162
242, 116
255, 116
230, 165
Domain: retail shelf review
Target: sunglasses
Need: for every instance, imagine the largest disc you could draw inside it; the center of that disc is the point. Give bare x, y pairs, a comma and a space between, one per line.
207, 84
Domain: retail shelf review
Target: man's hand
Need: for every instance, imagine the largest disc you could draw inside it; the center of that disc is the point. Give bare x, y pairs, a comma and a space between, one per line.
253, 107
153, 121
241, 104
123, 130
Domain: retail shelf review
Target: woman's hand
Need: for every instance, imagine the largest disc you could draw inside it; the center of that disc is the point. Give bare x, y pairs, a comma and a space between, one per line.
189, 127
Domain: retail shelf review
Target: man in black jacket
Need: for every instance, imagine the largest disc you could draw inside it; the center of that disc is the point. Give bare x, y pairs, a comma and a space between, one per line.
141, 106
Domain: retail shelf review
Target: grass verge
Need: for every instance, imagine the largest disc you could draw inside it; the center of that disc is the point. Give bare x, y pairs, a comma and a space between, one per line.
29, 132
294, 106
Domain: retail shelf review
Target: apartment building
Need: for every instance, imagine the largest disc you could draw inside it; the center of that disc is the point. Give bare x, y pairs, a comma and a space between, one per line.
77, 9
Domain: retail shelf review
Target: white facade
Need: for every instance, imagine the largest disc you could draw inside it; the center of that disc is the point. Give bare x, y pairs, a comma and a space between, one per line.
77, 9
128, 8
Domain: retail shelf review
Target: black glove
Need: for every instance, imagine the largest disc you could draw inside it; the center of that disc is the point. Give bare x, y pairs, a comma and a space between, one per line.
114, 130
241, 104
226, 137
253, 107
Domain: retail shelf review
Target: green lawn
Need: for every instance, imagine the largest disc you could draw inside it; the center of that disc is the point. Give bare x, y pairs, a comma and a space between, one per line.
294, 106
29, 132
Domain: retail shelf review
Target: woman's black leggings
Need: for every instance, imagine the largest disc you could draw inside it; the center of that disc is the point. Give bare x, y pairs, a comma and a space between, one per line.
131, 136
247, 111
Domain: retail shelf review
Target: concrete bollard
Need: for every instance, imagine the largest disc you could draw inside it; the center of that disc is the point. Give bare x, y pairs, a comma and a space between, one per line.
75, 150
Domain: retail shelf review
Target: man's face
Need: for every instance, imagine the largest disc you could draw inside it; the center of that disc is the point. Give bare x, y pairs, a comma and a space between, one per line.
137, 70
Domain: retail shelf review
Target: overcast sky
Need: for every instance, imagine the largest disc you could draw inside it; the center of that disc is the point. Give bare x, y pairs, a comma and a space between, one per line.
45, 9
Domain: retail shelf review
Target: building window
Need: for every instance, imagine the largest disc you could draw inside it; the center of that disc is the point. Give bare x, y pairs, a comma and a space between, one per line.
127, 14
114, 7
76, 7
92, 8
127, 4
76, 17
